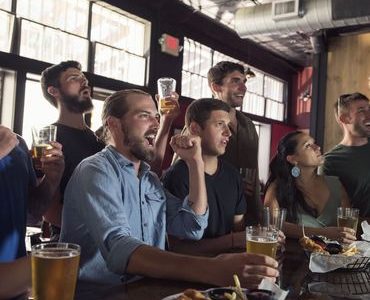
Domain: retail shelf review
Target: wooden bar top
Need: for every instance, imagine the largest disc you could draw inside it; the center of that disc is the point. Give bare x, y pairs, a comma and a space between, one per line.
295, 277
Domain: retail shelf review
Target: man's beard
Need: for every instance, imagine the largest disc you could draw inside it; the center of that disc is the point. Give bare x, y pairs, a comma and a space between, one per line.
136, 145
77, 104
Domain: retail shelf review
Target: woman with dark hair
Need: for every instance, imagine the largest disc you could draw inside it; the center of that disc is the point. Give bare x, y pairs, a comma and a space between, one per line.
310, 199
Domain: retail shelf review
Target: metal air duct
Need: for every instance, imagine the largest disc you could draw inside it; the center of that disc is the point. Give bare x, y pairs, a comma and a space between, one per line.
252, 22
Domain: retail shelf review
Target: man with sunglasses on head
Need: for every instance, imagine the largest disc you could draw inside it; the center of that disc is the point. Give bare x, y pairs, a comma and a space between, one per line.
350, 159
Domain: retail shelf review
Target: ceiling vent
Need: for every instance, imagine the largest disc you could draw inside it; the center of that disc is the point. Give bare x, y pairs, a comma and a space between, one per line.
285, 9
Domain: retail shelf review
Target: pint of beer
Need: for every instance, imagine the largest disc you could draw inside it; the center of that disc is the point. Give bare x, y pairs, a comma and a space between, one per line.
41, 138
54, 271
347, 217
262, 240
166, 86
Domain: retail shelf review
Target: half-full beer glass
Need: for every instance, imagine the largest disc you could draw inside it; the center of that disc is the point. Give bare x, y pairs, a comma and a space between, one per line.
41, 138
54, 271
166, 86
262, 240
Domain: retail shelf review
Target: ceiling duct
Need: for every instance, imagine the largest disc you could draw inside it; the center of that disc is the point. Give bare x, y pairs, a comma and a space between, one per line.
253, 22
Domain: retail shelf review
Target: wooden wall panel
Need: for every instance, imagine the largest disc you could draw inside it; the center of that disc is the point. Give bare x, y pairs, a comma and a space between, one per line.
348, 71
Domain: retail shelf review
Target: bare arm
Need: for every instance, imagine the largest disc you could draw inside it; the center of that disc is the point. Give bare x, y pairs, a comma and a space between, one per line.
345, 202
210, 246
53, 214
161, 140
15, 277
251, 268
189, 149
239, 223
270, 197
295, 231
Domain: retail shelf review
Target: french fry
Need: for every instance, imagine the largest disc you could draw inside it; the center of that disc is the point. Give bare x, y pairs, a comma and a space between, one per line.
238, 290
352, 250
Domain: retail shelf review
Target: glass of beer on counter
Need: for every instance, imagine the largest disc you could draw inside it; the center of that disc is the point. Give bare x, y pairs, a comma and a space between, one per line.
347, 217
166, 86
262, 240
54, 270
41, 138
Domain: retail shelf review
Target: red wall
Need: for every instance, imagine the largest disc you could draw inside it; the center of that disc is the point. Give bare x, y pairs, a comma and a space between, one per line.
277, 132
301, 104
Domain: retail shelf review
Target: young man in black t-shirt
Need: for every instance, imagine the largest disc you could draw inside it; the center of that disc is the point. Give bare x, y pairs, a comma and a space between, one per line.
209, 119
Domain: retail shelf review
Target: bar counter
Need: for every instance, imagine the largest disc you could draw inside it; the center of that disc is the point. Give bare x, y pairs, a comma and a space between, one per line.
295, 277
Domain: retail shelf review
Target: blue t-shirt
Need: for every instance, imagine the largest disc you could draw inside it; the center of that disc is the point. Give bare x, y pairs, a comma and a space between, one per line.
16, 176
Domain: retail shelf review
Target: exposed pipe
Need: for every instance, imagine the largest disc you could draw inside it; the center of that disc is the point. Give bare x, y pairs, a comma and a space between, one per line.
317, 14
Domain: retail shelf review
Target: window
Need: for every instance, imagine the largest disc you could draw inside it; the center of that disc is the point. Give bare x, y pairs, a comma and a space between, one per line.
51, 45
6, 30
68, 15
7, 97
99, 96
218, 56
96, 114
121, 44
37, 110
6, 4
118, 64
196, 63
265, 97
57, 30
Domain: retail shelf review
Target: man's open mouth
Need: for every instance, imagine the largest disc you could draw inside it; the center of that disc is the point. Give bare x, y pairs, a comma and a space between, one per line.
150, 138
224, 141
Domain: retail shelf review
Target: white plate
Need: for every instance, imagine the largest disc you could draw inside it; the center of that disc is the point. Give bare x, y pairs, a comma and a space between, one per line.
175, 296
172, 297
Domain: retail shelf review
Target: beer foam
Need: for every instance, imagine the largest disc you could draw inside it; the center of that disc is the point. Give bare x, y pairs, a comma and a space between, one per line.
263, 240
55, 253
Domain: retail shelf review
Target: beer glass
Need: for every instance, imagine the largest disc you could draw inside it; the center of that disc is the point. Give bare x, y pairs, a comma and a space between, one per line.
262, 240
347, 217
54, 270
273, 217
41, 138
166, 86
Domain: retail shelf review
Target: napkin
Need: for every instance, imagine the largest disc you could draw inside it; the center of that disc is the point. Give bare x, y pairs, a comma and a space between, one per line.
322, 263
366, 231
269, 285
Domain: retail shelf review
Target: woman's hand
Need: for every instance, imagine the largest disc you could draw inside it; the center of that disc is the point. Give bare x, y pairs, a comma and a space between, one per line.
343, 235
